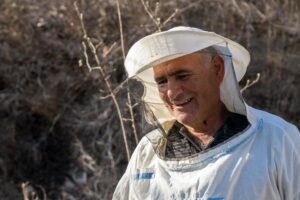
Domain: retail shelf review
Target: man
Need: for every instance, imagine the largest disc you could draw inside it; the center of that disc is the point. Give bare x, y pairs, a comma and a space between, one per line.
209, 144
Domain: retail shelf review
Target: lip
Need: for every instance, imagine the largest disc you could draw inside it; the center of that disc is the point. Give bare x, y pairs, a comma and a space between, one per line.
184, 103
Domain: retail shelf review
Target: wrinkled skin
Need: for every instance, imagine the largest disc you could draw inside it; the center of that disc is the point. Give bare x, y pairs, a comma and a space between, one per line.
190, 89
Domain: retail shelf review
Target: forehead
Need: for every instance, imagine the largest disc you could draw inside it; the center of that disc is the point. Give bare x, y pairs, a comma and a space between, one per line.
188, 62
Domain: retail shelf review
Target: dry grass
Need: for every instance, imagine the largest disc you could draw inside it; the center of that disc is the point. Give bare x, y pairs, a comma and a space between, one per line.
60, 136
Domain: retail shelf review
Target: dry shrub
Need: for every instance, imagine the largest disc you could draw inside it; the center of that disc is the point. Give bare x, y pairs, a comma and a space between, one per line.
59, 137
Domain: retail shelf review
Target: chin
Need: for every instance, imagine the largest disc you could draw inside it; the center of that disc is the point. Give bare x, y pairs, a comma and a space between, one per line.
183, 118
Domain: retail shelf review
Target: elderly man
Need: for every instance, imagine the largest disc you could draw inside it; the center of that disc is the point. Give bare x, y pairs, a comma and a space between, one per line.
209, 144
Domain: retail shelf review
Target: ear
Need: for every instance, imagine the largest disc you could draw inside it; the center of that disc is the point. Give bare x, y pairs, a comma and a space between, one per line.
218, 65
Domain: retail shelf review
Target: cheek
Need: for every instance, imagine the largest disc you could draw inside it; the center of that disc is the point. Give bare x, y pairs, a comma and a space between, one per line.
165, 99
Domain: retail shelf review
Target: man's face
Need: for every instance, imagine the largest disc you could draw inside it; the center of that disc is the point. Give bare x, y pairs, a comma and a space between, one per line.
189, 87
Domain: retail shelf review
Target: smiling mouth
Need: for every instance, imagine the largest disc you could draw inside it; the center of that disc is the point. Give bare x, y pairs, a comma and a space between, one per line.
184, 103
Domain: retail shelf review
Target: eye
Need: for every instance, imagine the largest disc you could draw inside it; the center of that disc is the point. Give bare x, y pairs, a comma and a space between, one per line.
161, 82
182, 76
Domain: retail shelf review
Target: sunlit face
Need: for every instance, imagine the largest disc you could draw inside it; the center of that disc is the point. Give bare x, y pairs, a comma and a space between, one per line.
189, 86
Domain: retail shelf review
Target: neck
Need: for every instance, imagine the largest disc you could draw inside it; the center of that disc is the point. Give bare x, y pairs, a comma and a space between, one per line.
206, 128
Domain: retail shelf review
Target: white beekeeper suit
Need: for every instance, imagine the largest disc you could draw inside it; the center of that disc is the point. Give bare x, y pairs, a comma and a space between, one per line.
260, 163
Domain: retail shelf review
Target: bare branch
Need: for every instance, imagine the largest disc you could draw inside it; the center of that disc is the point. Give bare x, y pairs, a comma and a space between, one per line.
170, 17
121, 29
103, 74
128, 89
249, 83
157, 8
25, 191
105, 97
120, 86
87, 62
153, 18
109, 50
136, 137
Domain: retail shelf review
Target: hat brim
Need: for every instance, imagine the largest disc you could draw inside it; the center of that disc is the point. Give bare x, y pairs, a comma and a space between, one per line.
177, 42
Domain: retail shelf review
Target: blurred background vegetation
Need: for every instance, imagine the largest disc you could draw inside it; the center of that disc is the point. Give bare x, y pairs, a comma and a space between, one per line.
60, 137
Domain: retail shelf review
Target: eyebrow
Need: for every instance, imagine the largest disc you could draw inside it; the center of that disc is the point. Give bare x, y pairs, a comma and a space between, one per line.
180, 71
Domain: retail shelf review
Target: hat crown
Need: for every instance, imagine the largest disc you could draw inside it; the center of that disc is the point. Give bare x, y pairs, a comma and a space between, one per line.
180, 41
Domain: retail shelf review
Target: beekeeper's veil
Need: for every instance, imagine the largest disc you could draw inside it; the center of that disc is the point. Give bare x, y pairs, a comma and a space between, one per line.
163, 46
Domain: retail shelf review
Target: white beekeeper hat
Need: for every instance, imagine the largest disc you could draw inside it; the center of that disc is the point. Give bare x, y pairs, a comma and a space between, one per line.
179, 41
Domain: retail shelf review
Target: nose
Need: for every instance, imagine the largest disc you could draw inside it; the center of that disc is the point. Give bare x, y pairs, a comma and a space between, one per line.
174, 90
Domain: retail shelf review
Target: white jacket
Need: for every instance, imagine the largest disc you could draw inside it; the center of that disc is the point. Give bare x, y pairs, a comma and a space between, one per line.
261, 163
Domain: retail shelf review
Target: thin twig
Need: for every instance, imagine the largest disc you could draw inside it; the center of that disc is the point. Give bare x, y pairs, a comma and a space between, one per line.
136, 137
153, 18
25, 191
250, 83
86, 57
109, 50
153, 15
105, 97
121, 28
196, 3
103, 74
133, 124
170, 17
120, 86
157, 8
127, 119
